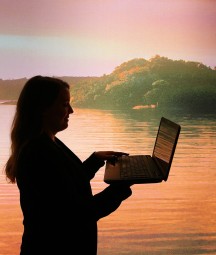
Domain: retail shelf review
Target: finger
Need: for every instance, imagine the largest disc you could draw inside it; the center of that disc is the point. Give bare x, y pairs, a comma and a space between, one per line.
115, 156
118, 153
113, 160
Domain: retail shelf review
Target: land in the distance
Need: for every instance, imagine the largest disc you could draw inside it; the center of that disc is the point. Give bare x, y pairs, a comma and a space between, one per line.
138, 84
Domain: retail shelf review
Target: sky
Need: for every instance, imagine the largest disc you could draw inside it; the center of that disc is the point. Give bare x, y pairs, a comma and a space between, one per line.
93, 37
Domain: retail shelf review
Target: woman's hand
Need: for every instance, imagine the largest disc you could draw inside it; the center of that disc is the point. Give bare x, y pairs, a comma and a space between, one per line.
109, 155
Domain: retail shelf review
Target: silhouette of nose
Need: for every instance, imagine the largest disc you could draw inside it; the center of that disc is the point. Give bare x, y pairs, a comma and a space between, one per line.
71, 110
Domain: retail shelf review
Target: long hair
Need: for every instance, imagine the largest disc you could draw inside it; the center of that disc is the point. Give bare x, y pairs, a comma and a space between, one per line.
36, 96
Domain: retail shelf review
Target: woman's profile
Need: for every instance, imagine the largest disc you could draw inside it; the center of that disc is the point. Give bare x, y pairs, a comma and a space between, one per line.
59, 210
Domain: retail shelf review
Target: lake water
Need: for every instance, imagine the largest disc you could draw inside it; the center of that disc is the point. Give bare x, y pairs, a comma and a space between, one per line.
174, 217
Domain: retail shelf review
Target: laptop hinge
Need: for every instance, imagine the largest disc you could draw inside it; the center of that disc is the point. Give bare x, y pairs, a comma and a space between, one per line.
159, 167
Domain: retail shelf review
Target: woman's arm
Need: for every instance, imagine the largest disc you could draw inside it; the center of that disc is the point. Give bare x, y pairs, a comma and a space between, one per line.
110, 199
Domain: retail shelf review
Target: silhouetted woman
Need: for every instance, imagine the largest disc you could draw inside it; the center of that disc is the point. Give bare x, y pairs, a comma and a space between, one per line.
60, 212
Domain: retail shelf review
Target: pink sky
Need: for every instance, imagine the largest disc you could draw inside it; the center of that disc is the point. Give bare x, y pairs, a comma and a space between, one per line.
92, 37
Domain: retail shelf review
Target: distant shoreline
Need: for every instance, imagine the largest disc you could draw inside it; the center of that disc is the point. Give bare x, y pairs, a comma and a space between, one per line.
12, 102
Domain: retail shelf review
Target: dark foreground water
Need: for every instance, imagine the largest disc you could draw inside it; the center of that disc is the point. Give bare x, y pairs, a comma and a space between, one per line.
174, 217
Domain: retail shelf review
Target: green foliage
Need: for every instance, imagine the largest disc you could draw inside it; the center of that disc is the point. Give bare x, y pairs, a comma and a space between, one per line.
159, 81
162, 81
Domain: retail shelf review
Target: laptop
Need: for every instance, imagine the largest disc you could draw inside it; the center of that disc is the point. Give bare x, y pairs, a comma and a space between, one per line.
153, 168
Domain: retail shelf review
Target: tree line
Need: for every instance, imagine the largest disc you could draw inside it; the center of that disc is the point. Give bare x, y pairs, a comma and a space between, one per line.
158, 81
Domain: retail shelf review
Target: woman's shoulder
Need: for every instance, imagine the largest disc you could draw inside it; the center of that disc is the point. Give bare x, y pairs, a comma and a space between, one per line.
37, 146
40, 153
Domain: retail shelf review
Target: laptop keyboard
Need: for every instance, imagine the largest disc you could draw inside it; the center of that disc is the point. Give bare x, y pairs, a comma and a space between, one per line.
134, 167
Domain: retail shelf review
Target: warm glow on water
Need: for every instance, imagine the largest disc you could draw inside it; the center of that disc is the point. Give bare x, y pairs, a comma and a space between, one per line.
176, 217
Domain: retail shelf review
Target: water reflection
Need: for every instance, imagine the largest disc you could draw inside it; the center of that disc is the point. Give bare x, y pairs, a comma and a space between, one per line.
173, 217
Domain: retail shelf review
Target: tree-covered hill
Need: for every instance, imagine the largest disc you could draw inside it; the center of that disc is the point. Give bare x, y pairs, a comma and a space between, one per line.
10, 89
158, 81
